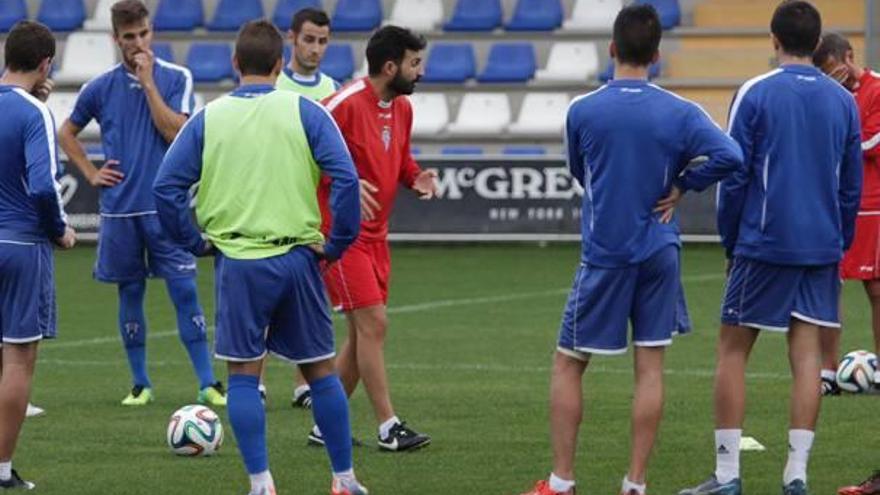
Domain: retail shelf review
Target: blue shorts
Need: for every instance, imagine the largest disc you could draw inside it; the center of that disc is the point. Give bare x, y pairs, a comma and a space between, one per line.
27, 292
767, 296
604, 300
134, 248
276, 305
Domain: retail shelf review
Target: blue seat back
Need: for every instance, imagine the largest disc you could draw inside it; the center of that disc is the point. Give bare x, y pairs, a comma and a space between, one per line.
450, 62
475, 15
509, 62
11, 11
285, 9
231, 14
668, 10
163, 51
536, 15
357, 15
210, 62
338, 62
62, 15
179, 15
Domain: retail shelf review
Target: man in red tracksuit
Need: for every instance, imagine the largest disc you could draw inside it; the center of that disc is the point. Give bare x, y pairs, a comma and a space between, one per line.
376, 119
862, 262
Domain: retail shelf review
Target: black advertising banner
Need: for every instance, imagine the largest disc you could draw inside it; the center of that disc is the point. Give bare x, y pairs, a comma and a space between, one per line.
479, 199
515, 199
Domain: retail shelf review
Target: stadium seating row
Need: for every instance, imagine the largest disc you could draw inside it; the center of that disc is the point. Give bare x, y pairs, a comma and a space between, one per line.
88, 54
349, 15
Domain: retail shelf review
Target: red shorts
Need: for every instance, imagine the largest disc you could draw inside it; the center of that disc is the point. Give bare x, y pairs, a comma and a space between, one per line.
862, 261
360, 278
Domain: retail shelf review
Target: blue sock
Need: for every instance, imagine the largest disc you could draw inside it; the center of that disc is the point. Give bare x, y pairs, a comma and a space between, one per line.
133, 329
330, 410
191, 325
248, 419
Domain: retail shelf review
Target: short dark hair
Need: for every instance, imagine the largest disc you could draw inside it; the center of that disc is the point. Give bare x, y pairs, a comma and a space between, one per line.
258, 48
797, 25
316, 16
27, 45
637, 33
390, 44
127, 12
831, 45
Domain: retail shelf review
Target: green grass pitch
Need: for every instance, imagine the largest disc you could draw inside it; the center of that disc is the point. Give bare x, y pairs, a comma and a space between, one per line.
471, 339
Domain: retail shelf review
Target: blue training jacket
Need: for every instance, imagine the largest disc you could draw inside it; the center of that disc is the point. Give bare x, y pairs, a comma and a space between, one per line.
627, 143
796, 200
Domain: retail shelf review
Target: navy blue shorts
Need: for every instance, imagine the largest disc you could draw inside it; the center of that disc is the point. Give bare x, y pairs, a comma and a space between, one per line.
27, 292
276, 305
767, 296
604, 300
134, 248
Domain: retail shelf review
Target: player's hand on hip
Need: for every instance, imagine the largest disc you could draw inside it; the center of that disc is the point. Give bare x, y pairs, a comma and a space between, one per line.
426, 184
319, 250
107, 176
68, 240
144, 62
666, 206
369, 205
43, 90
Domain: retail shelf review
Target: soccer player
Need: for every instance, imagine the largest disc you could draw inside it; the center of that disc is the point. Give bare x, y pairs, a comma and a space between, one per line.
785, 222
376, 119
32, 218
628, 144
140, 105
835, 57
309, 36
258, 155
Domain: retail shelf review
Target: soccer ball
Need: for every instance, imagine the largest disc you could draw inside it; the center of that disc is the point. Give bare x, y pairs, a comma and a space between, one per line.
856, 371
194, 431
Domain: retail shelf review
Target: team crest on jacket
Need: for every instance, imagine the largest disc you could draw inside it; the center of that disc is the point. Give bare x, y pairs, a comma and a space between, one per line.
386, 136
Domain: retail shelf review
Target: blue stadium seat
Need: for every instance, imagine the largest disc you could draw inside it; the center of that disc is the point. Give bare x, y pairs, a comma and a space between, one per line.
163, 51
11, 11
450, 63
608, 74
286, 54
461, 150
668, 10
509, 62
357, 15
62, 15
179, 15
415, 150
524, 150
285, 9
475, 15
210, 62
338, 62
536, 15
231, 14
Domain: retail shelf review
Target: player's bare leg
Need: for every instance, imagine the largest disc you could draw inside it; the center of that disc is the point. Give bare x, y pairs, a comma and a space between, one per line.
15, 389
734, 346
566, 411
804, 356
371, 325
647, 409
346, 359
829, 341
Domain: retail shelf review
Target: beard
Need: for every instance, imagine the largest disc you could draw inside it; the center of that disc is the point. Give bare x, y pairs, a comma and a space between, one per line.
403, 86
307, 64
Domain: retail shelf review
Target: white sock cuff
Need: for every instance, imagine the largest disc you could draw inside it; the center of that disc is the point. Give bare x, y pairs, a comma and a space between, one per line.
801, 439
385, 427
560, 485
829, 374
5, 470
628, 485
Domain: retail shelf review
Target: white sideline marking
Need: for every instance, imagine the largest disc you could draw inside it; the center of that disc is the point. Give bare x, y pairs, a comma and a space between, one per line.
411, 308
